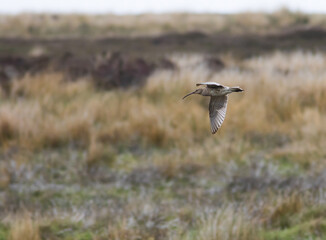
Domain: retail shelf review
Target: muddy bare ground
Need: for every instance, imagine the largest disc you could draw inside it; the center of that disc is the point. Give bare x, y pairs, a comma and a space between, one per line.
123, 62
239, 45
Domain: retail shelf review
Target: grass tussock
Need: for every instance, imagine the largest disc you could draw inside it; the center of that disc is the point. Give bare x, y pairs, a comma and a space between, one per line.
284, 208
24, 228
228, 224
7, 130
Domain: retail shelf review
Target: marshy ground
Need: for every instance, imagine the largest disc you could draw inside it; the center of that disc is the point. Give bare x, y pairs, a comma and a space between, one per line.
83, 156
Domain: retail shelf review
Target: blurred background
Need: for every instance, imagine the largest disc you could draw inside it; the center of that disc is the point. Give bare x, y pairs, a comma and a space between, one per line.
96, 142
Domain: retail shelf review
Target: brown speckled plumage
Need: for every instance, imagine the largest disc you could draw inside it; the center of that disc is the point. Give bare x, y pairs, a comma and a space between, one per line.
218, 102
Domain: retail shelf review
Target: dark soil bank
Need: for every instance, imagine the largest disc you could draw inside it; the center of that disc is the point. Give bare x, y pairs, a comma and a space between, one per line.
124, 62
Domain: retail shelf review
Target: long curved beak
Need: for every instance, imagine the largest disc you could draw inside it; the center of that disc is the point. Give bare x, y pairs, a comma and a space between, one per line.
189, 94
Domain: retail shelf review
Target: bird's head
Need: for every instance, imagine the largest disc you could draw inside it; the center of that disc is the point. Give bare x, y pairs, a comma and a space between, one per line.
197, 91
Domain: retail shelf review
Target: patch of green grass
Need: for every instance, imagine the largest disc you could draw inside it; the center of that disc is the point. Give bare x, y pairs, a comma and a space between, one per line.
119, 193
4, 232
66, 230
191, 234
126, 161
306, 224
287, 166
64, 198
300, 161
318, 212
314, 229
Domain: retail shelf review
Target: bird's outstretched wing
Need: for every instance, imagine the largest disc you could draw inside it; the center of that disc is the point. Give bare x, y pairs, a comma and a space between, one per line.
217, 111
211, 84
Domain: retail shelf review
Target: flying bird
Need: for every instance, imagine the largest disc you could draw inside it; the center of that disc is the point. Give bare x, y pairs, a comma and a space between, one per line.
218, 102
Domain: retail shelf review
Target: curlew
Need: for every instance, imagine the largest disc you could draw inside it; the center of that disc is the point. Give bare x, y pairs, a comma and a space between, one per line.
218, 102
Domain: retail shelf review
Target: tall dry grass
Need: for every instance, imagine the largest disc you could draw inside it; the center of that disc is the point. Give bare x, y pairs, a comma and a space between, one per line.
23, 227
227, 224
284, 98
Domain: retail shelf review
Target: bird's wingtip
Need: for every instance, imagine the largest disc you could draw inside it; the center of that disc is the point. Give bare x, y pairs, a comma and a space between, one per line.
214, 131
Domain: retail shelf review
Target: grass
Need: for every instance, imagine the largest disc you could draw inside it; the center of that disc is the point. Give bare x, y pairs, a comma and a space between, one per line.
109, 25
24, 228
83, 163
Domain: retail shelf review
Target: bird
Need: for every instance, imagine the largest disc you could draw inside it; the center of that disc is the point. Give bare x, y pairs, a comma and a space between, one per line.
218, 102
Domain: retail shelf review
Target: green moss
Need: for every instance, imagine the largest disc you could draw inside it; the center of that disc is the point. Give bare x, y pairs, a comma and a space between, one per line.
191, 235
4, 232
314, 213
126, 161
312, 230
287, 166
66, 230
119, 193
84, 236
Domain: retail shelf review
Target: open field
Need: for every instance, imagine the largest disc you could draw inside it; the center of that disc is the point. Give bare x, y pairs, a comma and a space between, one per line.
100, 145
81, 163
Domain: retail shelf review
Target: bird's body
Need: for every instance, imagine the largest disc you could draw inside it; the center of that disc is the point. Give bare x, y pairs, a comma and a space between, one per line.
218, 102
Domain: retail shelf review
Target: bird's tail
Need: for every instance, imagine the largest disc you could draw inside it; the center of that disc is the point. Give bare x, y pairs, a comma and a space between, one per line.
236, 89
